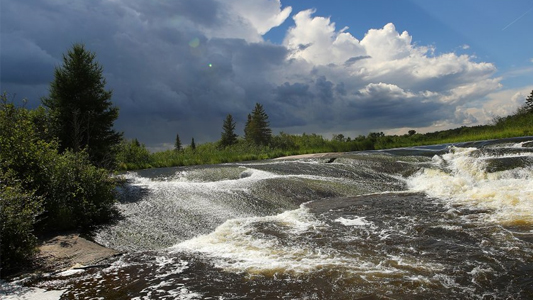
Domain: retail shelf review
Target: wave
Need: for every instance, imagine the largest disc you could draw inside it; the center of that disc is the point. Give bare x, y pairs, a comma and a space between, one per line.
500, 183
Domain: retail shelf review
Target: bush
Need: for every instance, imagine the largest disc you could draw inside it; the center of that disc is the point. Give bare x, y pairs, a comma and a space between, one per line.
78, 194
40, 186
133, 155
19, 210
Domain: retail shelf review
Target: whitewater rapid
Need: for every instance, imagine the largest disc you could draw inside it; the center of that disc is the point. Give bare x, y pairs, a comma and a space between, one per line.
441, 222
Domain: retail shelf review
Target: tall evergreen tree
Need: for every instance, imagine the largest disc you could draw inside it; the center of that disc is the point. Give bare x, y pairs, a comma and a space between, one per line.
248, 129
228, 135
529, 102
193, 145
257, 128
177, 144
81, 112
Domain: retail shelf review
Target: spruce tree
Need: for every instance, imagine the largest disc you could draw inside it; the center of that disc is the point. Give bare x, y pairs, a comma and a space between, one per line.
193, 145
81, 112
177, 144
248, 129
228, 135
257, 128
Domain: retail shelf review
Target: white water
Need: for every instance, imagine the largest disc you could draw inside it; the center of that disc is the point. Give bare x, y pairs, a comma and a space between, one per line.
243, 245
460, 177
185, 204
357, 221
236, 231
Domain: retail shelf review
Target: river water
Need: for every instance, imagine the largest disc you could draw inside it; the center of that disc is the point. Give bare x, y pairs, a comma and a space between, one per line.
438, 222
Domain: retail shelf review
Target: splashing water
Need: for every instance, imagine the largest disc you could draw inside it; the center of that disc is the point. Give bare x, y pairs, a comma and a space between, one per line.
374, 225
462, 176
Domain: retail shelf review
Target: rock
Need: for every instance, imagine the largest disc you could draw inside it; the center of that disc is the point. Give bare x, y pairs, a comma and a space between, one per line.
68, 251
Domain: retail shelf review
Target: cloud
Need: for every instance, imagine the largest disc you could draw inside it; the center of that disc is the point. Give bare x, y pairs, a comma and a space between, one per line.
182, 66
262, 15
24, 62
353, 60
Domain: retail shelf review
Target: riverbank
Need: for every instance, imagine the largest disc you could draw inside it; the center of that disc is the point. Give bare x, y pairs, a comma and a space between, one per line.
64, 252
67, 252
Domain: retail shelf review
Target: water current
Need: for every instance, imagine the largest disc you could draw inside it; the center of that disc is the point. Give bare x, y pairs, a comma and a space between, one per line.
438, 222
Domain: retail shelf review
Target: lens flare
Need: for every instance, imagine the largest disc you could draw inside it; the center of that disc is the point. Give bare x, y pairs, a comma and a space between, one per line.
194, 43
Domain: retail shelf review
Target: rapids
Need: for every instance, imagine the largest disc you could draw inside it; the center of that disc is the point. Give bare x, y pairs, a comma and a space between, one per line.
437, 222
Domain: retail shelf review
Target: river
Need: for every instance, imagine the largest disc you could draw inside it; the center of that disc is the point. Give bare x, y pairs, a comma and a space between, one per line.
436, 222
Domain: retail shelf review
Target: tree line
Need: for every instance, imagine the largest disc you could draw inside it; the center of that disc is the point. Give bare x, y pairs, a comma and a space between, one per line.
258, 141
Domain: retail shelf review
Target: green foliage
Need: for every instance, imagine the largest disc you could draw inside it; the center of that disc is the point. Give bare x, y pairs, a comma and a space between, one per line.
78, 194
22, 153
41, 188
193, 145
338, 138
257, 129
81, 112
19, 210
133, 155
228, 135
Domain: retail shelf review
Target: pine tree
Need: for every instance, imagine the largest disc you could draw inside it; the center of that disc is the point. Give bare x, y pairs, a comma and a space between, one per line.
177, 144
228, 135
529, 102
193, 145
81, 112
248, 129
257, 128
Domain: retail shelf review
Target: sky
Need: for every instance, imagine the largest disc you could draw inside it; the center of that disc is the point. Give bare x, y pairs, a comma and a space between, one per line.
325, 67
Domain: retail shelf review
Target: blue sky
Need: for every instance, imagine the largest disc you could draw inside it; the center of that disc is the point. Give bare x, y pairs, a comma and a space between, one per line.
350, 67
494, 31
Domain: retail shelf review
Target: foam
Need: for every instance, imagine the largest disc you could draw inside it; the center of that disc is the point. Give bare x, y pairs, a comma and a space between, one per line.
460, 177
357, 221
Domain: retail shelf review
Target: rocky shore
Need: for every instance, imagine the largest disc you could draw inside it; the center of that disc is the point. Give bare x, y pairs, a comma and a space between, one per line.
58, 253
70, 251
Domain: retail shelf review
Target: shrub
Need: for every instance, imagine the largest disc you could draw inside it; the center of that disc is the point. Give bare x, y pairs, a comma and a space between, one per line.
19, 210
40, 186
78, 194
133, 155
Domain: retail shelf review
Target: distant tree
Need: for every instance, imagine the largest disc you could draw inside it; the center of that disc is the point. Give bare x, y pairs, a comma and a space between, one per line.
81, 112
411, 132
257, 128
375, 135
228, 135
193, 145
248, 129
529, 102
338, 137
177, 144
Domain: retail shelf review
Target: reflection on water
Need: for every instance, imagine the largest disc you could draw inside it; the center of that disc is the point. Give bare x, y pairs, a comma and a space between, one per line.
374, 225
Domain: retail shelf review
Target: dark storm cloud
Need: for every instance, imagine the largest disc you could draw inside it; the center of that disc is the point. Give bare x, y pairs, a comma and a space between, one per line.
182, 66
23, 62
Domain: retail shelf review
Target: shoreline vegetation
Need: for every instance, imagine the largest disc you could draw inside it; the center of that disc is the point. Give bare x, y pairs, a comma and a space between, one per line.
134, 155
57, 161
